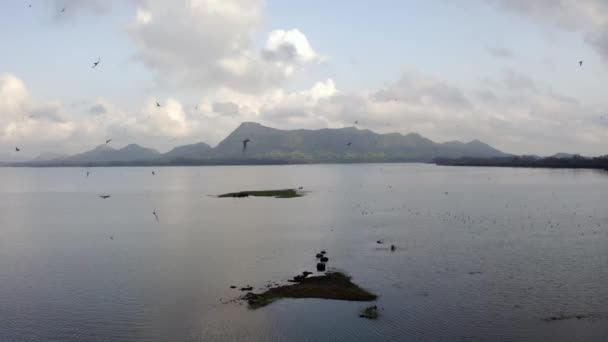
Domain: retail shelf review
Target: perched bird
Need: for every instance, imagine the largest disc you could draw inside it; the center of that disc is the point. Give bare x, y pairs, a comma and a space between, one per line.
17, 149
580, 63
104, 196
245, 144
96, 63
108, 141
157, 104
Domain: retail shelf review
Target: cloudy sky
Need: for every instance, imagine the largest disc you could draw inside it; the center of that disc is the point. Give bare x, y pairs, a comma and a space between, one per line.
503, 71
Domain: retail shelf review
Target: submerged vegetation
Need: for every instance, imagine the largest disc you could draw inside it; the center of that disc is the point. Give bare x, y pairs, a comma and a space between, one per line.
333, 285
285, 193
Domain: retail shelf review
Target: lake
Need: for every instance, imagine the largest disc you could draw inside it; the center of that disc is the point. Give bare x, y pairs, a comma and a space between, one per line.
482, 253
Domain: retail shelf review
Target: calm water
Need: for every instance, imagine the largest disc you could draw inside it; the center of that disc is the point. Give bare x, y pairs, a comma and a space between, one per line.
539, 239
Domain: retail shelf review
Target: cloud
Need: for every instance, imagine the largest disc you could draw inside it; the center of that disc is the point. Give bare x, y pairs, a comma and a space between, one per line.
587, 16
289, 47
209, 44
514, 112
499, 52
227, 108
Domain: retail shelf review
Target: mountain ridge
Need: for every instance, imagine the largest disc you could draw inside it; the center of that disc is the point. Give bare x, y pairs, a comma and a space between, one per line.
272, 145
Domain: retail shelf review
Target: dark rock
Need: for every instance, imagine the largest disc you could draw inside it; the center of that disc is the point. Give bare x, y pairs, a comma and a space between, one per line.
232, 287
371, 312
247, 288
321, 267
324, 259
323, 252
319, 255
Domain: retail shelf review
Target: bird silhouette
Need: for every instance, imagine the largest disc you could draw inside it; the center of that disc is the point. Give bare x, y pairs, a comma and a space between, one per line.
157, 104
104, 196
155, 216
96, 63
580, 63
17, 149
108, 141
245, 144
153, 173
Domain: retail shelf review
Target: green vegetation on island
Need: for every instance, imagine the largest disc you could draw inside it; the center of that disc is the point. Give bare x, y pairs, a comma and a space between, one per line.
285, 193
333, 285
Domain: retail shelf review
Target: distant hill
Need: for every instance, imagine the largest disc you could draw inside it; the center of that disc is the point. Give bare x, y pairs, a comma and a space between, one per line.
274, 146
332, 145
48, 156
194, 151
105, 154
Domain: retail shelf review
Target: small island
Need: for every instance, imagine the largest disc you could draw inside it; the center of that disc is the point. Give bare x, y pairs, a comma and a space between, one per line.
285, 193
333, 285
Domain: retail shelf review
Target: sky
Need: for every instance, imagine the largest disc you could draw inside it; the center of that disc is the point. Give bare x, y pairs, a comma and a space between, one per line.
505, 72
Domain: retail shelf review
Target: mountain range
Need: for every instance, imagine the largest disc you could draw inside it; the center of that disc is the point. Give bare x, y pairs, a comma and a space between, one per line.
270, 146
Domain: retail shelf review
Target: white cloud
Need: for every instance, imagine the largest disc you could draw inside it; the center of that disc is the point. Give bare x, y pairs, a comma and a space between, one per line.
587, 16
539, 121
209, 44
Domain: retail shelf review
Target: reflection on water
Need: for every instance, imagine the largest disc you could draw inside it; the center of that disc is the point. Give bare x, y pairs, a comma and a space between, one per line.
482, 253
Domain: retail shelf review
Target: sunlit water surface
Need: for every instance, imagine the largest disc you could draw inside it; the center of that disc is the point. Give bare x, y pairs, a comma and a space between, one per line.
482, 253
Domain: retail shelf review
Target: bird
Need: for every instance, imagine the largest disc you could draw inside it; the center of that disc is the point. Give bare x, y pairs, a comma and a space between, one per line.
96, 63
108, 141
17, 149
104, 196
155, 216
356, 122
349, 143
112, 237
153, 173
63, 10
245, 144
157, 104
580, 63
88, 173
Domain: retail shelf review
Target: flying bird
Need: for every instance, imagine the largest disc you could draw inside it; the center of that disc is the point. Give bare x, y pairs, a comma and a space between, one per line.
96, 63
17, 149
580, 63
155, 216
245, 144
157, 104
349, 143
104, 196
108, 141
